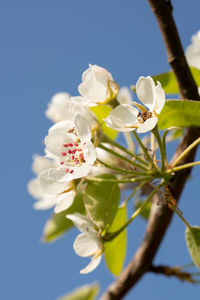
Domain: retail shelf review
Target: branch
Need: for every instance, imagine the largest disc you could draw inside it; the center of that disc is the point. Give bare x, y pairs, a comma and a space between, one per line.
172, 271
160, 216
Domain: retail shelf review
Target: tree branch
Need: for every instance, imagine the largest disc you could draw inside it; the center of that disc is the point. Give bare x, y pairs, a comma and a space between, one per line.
172, 271
160, 216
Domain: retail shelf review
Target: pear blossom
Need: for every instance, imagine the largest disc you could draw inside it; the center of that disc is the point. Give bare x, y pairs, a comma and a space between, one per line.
124, 96
47, 192
69, 143
86, 243
192, 52
97, 86
125, 117
63, 107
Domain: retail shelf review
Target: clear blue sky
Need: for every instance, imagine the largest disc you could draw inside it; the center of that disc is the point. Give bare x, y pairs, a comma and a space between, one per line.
45, 46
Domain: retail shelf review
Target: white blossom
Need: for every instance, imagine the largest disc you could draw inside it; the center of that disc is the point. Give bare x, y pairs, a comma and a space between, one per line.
125, 117
70, 145
124, 96
97, 86
49, 193
86, 243
192, 52
63, 107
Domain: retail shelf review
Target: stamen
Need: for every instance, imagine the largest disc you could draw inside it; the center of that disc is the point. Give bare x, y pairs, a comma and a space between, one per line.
76, 144
69, 151
67, 170
79, 149
74, 151
65, 145
71, 171
70, 145
62, 162
64, 153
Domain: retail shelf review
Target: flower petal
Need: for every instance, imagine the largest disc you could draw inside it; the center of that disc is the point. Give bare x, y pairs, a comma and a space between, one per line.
82, 128
93, 90
124, 96
89, 152
123, 118
145, 90
62, 127
160, 99
45, 203
34, 188
95, 261
54, 143
83, 223
60, 175
64, 201
86, 244
49, 185
41, 163
148, 125
57, 108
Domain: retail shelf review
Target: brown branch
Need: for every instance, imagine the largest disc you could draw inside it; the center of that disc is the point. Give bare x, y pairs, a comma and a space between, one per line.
160, 216
172, 272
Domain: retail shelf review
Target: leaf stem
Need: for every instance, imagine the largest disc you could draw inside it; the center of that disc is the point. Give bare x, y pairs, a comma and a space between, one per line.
156, 133
134, 192
121, 170
174, 208
137, 165
114, 143
182, 167
186, 151
142, 146
111, 236
138, 179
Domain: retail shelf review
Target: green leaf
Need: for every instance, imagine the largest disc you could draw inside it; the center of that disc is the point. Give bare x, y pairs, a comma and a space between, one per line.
192, 236
101, 201
145, 212
182, 113
86, 292
115, 250
169, 83
58, 224
101, 112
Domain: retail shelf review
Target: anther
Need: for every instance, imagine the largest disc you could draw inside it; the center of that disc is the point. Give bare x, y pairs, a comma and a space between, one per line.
64, 153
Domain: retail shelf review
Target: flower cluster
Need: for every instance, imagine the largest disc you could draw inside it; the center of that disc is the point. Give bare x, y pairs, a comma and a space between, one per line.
77, 148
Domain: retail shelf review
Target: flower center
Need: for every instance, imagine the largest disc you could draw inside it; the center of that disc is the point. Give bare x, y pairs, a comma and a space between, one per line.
72, 156
142, 117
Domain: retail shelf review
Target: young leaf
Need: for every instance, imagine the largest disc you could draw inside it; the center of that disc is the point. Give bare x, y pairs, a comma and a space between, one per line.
101, 201
86, 292
58, 224
169, 83
182, 113
102, 111
115, 250
192, 236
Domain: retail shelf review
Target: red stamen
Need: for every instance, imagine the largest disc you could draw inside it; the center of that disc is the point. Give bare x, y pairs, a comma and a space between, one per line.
65, 145
64, 153
71, 171
67, 170
79, 149
62, 162
74, 151
72, 157
81, 155
77, 161
70, 144
69, 151
76, 144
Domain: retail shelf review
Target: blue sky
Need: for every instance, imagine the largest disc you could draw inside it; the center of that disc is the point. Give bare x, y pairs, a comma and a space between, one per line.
45, 47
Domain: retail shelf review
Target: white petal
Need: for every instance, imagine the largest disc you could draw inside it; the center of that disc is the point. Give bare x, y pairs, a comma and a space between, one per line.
124, 96
148, 125
89, 152
193, 51
45, 203
64, 201
98, 73
34, 188
145, 89
83, 223
160, 99
50, 186
95, 261
86, 244
41, 163
54, 143
62, 126
60, 175
122, 118
82, 128
93, 90
57, 108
